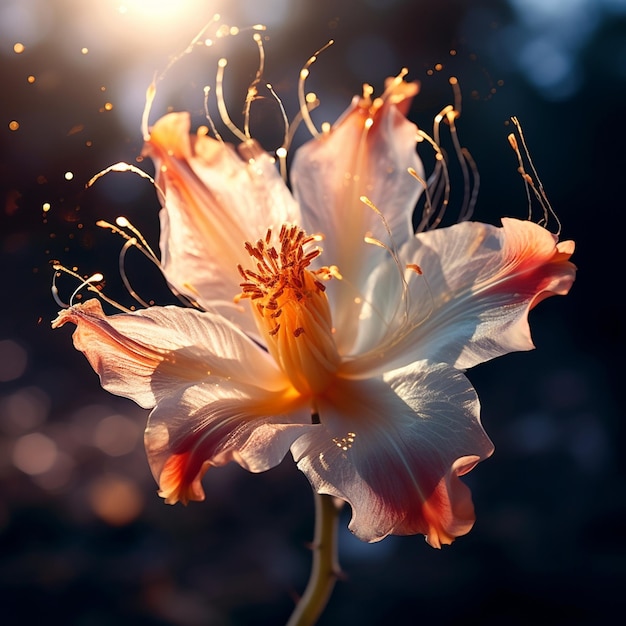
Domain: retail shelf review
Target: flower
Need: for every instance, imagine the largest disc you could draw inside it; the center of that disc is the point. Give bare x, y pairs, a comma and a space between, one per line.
355, 365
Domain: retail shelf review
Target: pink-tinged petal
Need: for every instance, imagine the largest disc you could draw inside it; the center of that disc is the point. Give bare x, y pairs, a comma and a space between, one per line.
218, 397
215, 422
366, 153
472, 300
394, 448
147, 354
215, 200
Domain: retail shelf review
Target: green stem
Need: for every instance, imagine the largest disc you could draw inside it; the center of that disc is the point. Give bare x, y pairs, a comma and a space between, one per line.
325, 568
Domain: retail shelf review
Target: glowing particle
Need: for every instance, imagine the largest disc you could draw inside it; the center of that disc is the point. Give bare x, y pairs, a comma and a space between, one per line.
31, 79
69, 175
439, 67
18, 48
222, 31
84, 50
46, 207
452, 53
108, 106
89, 143
13, 125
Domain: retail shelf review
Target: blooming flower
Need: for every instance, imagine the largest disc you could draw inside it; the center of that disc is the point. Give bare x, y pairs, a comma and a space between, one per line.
327, 328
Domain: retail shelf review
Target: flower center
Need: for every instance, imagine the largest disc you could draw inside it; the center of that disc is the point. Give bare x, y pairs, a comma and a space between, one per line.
291, 307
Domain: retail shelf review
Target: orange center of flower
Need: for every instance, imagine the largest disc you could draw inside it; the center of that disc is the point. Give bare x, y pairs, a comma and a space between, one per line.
291, 307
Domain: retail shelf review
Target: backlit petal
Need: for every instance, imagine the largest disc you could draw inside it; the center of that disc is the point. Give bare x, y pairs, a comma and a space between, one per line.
215, 422
215, 200
366, 153
472, 301
148, 354
394, 448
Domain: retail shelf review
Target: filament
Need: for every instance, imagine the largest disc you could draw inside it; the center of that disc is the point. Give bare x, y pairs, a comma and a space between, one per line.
252, 89
304, 72
535, 184
127, 167
221, 102
207, 90
406, 325
440, 171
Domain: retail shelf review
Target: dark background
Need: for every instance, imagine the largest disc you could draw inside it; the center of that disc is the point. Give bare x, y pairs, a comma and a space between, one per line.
85, 540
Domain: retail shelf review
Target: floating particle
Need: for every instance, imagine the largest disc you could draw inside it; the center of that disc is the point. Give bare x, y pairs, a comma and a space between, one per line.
14, 125
84, 50
46, 207
18, 48
69, 175
108, 106
31, 79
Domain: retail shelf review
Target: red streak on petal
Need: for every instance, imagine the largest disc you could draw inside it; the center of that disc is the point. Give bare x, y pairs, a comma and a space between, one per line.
535, 265
179, 482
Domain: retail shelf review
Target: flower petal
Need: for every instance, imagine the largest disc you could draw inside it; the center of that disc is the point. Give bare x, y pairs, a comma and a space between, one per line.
394, 448
366, 153
215, 200
147, 354
218, 396
215, 422
472, 301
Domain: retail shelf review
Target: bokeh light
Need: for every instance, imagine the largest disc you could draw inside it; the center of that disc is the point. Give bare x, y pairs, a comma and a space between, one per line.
34, 453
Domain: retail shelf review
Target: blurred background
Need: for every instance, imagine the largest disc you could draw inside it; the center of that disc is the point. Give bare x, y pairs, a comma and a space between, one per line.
84, 538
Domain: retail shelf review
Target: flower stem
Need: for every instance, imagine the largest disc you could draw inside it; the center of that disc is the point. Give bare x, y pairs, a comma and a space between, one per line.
325, 569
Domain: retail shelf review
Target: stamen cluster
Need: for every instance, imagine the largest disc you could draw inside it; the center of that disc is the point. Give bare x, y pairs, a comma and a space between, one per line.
279, 276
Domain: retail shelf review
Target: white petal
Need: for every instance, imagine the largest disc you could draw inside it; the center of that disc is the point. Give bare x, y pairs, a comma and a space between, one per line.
147, 354
215, 200
217, 421
472, 301
393, 447
329, 176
